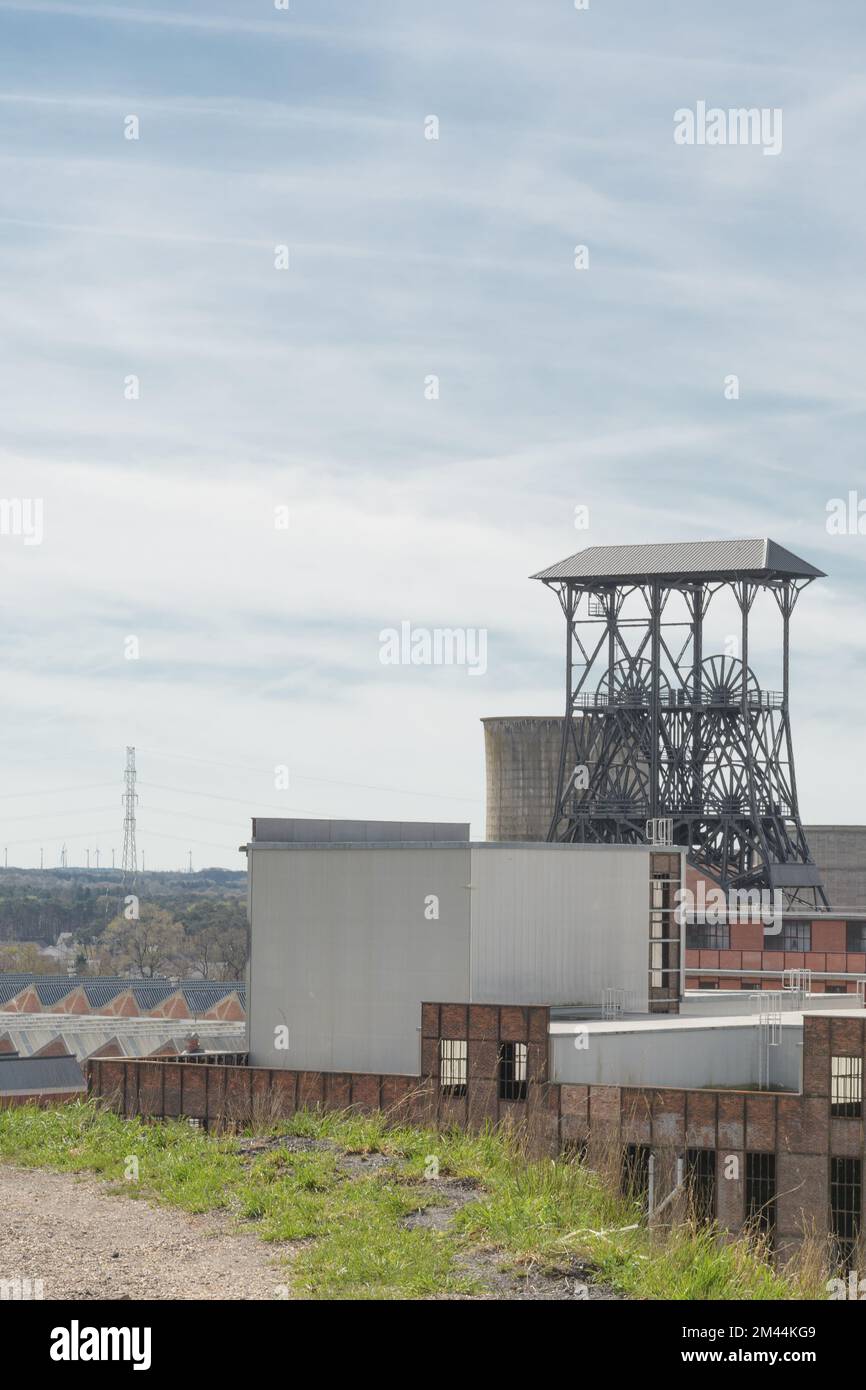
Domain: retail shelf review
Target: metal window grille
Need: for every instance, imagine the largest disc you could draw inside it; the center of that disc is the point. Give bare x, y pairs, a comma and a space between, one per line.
846, 1087
794, 936
845, 1199
761, 1191
700, 1178
708, 936
452, 1066
512, 1071
856, 936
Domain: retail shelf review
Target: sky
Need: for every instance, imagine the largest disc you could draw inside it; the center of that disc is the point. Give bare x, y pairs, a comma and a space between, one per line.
312, 357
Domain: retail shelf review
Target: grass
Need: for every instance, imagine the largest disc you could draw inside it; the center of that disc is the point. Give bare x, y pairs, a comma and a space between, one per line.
349, 1219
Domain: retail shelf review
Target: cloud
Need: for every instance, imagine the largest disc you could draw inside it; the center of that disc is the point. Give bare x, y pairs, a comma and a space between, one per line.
408, 259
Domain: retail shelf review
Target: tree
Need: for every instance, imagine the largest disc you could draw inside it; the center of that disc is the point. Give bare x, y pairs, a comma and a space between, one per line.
217, 937
232, 946
149, 945
23, 958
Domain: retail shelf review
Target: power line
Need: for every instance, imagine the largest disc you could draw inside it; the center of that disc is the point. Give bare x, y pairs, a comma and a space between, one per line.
188, 840
56, 791
92, 834
205, 820
57, 839
246, 801
49, 815
307, 777
130, 797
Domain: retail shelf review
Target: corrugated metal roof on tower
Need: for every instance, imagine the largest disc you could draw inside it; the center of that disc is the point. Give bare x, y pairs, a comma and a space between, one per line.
756, 557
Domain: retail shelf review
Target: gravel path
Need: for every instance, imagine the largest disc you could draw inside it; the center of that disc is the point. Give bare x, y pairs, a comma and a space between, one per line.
84, 1242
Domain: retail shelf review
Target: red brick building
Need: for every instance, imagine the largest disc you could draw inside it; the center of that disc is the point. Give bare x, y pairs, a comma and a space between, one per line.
790, 1161
742, 954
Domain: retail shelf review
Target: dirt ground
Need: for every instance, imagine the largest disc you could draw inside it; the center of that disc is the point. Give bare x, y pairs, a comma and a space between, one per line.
85, 1240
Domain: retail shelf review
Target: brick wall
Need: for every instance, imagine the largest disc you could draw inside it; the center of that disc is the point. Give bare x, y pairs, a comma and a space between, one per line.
746, 954
828, 953
484, 1028
217, 1094
797, 1128
44, 1098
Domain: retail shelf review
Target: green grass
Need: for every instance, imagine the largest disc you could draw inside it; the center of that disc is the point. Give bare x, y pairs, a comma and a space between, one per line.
349, 1221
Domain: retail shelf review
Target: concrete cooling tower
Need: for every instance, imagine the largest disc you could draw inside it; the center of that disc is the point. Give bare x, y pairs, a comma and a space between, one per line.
522, 761
522, 764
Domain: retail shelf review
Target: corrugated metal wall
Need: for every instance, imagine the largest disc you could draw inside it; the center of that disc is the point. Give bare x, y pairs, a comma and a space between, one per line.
556, 924
344, 947
343, 953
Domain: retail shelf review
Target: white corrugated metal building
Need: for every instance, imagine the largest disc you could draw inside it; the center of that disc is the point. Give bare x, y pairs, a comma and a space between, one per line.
353, 925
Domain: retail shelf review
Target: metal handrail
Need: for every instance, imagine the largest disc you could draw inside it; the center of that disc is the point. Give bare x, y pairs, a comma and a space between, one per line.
741, 972
681, 698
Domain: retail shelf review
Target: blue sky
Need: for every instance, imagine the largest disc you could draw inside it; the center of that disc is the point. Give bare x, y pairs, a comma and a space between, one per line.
304, 388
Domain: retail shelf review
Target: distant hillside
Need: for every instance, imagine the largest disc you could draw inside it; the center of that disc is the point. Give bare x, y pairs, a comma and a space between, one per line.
39, 904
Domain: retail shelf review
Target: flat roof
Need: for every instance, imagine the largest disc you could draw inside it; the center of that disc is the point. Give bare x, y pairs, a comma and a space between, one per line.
659, 1023
534, 845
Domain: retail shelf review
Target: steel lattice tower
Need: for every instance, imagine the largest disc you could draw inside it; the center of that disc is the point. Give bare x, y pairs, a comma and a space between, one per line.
657, 727
129, 864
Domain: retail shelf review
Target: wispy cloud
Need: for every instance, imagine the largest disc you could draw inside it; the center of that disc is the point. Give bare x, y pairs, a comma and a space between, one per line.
410, 259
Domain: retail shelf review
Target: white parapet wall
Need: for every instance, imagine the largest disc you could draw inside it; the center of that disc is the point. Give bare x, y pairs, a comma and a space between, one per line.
674, 1051
703, 1003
